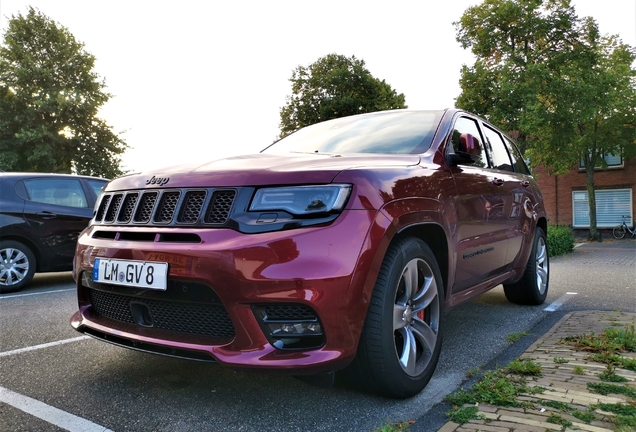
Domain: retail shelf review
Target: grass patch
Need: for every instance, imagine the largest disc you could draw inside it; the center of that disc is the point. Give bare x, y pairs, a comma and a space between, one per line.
615, 360
605, 389
584, 416
464, 414
495, 388
579, 370
395, 427
610, 341
525, 367
560, 360
625, 419
556, 405
557, 419
514, 337
609, 375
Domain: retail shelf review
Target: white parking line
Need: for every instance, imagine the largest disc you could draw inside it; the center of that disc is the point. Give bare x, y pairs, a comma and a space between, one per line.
37, 293
46, 345
48, 413
557, 304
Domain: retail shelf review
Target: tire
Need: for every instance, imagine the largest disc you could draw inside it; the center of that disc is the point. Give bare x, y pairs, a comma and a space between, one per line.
17, 266
532, 288
402, 335
619, 232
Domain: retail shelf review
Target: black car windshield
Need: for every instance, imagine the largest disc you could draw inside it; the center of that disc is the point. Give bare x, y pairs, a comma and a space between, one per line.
396, 132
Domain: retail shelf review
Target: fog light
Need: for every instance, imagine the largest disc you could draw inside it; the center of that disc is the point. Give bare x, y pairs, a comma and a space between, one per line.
277, 329
290, 326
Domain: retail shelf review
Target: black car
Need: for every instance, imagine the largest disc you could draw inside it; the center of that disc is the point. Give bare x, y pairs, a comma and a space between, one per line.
41, 216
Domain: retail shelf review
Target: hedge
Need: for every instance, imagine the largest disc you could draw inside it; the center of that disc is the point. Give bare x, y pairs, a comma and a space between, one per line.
560, 240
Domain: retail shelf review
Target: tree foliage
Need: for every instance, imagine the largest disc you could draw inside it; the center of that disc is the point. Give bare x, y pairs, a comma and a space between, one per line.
334, 86
567, 91
49, 99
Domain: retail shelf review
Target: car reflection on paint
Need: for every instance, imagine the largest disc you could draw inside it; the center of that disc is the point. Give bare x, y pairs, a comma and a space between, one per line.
41, 216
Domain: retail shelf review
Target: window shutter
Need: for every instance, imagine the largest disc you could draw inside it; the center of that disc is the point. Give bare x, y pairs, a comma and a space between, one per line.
611, 205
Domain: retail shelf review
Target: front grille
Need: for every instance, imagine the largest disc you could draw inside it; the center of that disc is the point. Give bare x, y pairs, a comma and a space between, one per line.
202, 319
113, 208
289, 312
221, 206
144, 210
127, 208
192, 206
166, 207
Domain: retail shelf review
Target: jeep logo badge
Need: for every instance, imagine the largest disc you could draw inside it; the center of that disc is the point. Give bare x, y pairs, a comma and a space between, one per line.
160, 181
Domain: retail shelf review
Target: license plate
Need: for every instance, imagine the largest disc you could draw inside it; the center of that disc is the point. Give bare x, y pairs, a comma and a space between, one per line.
144, 274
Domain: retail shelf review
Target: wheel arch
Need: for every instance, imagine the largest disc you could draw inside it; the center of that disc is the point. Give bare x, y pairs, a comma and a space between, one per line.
435, 237
543, 224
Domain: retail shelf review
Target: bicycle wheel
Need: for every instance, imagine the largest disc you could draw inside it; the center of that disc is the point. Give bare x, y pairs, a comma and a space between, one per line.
619, 232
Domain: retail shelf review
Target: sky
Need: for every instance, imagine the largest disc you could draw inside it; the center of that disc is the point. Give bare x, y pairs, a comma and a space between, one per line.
193, 81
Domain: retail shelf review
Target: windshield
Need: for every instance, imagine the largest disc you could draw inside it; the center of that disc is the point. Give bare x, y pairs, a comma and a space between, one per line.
395, 132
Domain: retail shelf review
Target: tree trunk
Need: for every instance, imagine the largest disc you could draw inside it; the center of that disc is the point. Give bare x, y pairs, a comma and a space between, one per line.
591, 199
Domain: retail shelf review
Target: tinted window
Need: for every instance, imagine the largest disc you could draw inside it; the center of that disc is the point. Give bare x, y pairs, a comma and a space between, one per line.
97, 186
65, 192
498, 153
517, 158
463, 126
397, 132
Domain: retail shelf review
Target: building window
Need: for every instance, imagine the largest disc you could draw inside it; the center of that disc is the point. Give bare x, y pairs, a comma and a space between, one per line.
611, 205
611, 160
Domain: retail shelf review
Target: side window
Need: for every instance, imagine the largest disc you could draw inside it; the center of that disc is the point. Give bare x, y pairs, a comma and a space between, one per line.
498, 153
64, 192
463, 126
517, 158
97, 186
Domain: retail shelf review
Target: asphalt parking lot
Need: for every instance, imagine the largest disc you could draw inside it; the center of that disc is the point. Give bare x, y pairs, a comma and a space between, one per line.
53, 379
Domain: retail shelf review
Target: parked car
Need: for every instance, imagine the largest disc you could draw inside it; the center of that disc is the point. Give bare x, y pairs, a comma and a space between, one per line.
41, 216
340, 246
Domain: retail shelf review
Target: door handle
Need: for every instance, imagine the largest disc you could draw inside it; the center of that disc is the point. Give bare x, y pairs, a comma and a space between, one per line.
498, 181
525, 183
46, 215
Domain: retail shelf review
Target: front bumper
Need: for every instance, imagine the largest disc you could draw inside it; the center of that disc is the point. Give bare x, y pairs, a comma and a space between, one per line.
323, 269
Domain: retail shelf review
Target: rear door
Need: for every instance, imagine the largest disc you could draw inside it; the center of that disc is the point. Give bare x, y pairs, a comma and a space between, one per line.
57, 209
483, 208
509, 166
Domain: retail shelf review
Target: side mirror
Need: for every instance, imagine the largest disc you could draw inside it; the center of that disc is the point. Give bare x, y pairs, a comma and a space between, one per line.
468, 151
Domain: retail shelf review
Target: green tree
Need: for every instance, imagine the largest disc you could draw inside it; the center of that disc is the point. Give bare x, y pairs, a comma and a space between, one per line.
49, 99
550, 77
334, 86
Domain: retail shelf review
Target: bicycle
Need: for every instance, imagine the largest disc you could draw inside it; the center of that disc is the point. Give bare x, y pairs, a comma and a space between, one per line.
622, 229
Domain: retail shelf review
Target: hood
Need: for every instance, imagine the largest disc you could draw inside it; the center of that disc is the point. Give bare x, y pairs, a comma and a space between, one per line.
259, 169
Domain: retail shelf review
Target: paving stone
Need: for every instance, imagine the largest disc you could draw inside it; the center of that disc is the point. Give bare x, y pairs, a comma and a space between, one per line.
561, 384
530, 422
449, 427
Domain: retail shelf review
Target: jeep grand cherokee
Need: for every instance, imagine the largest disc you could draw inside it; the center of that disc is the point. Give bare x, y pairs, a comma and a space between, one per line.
340, 246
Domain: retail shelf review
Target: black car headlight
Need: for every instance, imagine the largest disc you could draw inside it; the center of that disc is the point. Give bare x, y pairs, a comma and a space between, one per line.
302, 200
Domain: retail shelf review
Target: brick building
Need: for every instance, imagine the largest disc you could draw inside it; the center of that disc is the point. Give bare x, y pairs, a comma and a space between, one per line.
565, 195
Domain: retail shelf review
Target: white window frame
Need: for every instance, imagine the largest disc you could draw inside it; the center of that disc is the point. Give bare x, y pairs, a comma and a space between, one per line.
620, 164
578, 223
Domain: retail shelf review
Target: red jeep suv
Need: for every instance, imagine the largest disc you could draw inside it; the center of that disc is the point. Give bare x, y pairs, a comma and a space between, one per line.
340, 246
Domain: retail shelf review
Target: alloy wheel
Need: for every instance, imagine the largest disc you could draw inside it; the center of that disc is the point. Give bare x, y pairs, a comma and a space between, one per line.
14, 266
416, 317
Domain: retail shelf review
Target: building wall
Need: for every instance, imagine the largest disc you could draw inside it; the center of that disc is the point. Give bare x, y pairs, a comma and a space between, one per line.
557, 190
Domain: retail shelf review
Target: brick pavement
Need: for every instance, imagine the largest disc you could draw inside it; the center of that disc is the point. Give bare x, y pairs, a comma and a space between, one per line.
560, 380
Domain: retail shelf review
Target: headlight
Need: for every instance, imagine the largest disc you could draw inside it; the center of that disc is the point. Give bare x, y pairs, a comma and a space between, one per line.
302, 200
